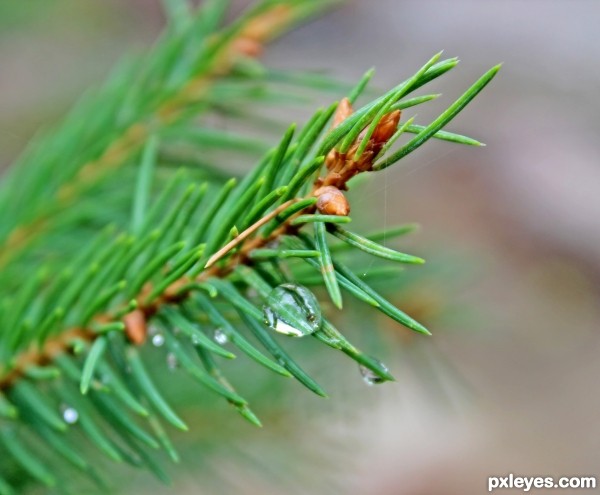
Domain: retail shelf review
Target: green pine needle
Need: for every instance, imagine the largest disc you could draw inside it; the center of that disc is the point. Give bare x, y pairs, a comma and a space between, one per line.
92, 360
327, 270
444, 118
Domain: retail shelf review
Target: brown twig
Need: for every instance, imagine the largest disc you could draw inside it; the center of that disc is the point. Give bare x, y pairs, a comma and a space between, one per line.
241, 237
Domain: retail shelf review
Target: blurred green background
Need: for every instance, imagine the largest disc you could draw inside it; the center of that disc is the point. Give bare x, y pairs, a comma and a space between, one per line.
511, 233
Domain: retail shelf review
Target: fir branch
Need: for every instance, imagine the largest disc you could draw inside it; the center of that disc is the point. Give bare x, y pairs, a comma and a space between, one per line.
78, 329
342, 167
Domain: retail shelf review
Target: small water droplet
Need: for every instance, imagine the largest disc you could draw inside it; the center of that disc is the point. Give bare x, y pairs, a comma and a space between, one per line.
158, 340
69, 414
172, 362
274, 244
292, 310
195, 340
251, 293
221, 337
369, 376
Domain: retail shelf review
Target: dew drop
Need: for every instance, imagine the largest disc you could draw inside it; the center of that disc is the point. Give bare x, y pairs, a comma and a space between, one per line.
69, 414
274, 244
158, 340
369, 376
292, 310
251, 293
220, 337
172, 362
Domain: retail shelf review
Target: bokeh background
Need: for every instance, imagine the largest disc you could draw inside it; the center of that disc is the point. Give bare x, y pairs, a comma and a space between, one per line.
508, 382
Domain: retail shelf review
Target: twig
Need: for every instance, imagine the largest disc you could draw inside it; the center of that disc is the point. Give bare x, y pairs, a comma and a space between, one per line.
247, 233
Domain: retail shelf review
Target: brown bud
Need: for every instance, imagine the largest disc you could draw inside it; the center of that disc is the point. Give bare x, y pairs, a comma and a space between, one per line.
386, 127
365, 163
342, 112
265, 26
247, 46
331, 159
135, 327
335, 161
331, 201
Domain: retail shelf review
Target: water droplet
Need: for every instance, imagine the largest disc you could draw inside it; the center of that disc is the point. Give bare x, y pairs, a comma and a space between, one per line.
172, 362
274, 244
158, 340
292, 310
369, 376
251, 293
221, 337
69, 414
195, 340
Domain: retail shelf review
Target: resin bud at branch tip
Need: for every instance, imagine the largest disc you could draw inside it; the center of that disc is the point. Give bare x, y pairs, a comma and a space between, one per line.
135, 327
331, 201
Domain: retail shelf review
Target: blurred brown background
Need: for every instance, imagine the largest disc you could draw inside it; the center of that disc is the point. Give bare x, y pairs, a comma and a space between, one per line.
523, 214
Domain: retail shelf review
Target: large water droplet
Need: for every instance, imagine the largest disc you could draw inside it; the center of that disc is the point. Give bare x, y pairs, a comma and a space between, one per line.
158, 340
69, 414
220, 337
369, 376
292, 310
